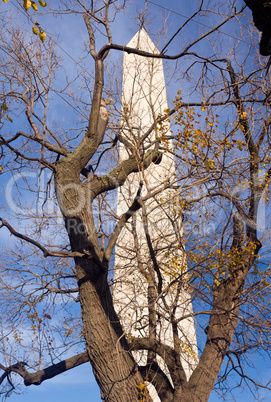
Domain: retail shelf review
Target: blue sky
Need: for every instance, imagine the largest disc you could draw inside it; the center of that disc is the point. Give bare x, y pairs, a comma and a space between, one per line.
79, 383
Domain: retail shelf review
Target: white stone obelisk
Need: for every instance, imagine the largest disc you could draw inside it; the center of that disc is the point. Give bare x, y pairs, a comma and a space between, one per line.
143, 100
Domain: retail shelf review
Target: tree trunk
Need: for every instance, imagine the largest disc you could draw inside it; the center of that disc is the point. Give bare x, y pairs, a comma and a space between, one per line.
220, 333
113, 365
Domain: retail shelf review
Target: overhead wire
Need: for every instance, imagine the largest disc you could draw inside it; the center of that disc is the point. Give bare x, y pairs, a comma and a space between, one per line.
198, 22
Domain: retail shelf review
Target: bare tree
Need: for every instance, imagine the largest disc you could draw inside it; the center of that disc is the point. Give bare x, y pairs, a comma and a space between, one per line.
219, 125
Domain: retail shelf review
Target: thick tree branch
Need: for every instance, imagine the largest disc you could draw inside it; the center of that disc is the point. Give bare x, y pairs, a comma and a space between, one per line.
97, 125
31, 121
263, 132
41, 375
241, 112
168, 354
151, 251
117, 177
154, 375
90, 35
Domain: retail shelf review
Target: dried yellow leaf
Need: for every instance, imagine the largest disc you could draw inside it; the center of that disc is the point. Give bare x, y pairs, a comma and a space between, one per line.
42, 36
27, 4
34, 6
9, 118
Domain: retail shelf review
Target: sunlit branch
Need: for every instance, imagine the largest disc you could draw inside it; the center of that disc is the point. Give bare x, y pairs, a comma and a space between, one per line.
136, 205
117, 177
91, 36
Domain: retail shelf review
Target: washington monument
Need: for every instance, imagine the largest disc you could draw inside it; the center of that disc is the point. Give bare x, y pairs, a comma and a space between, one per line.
150, 283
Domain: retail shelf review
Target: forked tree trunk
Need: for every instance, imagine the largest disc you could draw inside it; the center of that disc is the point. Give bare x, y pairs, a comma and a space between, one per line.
113, 365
